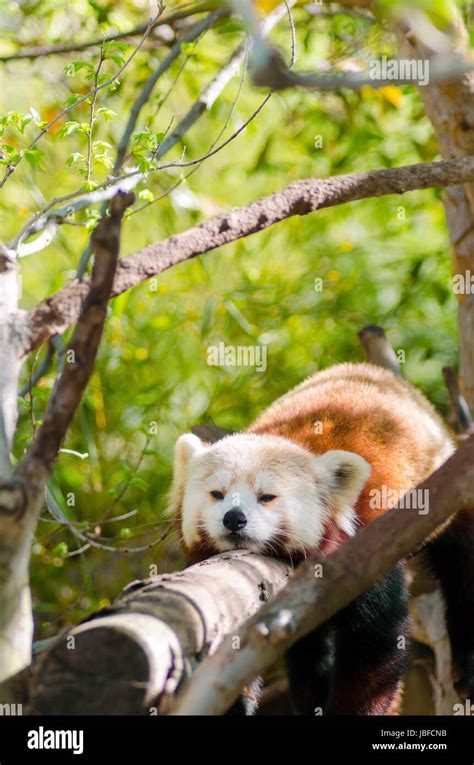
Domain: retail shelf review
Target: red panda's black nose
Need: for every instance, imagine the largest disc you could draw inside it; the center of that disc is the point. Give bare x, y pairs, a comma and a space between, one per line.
234, 520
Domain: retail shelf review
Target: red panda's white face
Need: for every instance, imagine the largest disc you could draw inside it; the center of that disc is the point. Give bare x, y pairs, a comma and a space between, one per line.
262, 493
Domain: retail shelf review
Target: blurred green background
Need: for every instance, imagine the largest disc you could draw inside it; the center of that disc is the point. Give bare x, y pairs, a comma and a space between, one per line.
383, 261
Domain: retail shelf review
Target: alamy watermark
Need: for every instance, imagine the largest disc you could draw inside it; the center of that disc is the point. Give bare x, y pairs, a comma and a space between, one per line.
403, 69
222, 355
463, 284
414, 499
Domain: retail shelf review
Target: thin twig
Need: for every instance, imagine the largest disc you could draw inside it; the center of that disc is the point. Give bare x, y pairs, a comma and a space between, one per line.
293, 34
12, 167
92, 114
57, 513
184, 178
196, 31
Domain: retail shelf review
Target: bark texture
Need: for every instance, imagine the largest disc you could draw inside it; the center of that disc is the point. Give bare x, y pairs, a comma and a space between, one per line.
131, 659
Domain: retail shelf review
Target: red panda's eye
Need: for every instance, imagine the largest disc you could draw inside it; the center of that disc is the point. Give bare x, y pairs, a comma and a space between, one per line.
217, 495
266, 498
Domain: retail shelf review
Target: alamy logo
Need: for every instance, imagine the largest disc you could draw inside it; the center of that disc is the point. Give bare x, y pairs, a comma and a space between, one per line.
414, 499
238, 356
404, 70
56, 739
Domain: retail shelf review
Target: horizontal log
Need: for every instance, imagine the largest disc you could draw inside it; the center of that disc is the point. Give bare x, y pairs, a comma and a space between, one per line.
130, 658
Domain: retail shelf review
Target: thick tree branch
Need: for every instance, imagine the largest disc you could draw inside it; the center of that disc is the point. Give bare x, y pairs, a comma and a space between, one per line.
81, 354
308, 602
150, 639
59, 311
273, 73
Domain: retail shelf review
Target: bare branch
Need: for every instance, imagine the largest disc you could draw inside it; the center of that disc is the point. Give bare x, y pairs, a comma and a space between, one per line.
59, 311
41, 51
90, 539
306, 602
274, 73
82, 350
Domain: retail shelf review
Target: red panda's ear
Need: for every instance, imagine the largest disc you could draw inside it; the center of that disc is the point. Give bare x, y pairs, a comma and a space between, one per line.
186, 447
345, 474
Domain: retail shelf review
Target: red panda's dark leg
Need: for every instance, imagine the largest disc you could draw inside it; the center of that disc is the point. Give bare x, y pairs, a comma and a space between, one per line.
371, 650
452, 558
309, 663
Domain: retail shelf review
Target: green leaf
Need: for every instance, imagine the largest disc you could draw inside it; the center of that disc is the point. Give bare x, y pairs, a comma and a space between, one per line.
61, 550
108, 114
102, 79
68, 129
139, 483
73, 100
114, 46
119, 60
34, 157
75, 157
13, 155
73, 67
103, 159
146, 196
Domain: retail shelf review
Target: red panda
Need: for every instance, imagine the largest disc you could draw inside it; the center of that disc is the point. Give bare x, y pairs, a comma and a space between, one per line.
321, 461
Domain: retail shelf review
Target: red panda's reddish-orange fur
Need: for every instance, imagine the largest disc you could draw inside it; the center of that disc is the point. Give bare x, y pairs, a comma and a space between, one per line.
364, 409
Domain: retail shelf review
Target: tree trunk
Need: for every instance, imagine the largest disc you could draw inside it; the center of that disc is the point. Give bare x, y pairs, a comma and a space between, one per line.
450, 107
16, 623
